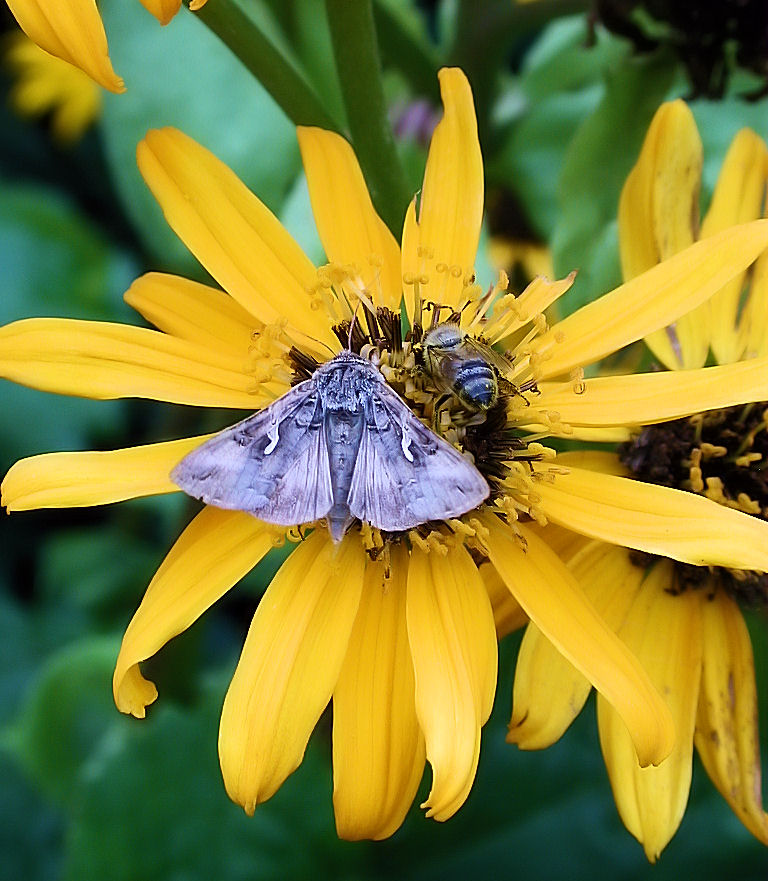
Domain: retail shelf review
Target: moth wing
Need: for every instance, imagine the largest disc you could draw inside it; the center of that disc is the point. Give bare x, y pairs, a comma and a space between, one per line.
273, 464
405, 474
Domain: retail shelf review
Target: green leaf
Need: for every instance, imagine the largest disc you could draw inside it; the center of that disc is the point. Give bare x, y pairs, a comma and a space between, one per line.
55, 263
181, 75
598, 160
153, 805
66, 712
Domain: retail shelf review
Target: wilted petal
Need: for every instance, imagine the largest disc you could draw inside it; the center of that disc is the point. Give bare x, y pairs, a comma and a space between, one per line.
378, 747
739, 196
75, 480
726, 725
289, 666
214, 552
453, 645
664, 631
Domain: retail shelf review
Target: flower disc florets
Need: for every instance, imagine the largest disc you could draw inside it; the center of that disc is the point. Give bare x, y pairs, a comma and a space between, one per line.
720, 454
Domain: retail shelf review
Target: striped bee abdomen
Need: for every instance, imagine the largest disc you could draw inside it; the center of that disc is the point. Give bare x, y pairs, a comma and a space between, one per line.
476, 384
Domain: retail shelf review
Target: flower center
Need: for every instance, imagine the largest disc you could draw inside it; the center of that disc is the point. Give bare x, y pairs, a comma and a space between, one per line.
723, 455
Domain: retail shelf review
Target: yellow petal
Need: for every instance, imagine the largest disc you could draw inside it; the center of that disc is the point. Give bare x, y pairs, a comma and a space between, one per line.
664, 631
549, 692
233, 234
738, 197
378, 747
443, 244
756, 310
350, 229
72, 30
95, 359
595, 460
659, 216
657, 519
652, 300
453, 645
646, 398
193, 311
289, 666
553, 600
508, 614
726, 725
540, 294
75, 480
163, 10
214, 552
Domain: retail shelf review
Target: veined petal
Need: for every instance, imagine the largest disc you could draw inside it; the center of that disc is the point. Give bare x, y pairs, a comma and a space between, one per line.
193, 311
664, 631
453, 645
214, 552
508, 614
646, 398
231, 232
289, 666
726, 725
549, 692
739, 196
350, 229
659, 216
595, 460
553, 600
756, 310
656, 519
378, 747
441, 247
72, 30
97, 359
163, 10
74, 480
652, 300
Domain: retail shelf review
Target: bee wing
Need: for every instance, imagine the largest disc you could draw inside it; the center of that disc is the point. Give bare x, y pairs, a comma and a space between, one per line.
405, 474
483, 350
273, 465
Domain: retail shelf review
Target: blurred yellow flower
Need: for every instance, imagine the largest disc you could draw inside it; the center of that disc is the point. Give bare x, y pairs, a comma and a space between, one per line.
398, 630
45, 84
73, 31
682, 621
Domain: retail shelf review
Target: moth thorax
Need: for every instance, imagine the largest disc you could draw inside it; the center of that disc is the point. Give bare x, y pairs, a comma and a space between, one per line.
475, 383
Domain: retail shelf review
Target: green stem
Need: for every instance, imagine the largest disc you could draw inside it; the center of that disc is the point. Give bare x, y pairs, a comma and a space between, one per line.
359, 67
404, 50
238, 27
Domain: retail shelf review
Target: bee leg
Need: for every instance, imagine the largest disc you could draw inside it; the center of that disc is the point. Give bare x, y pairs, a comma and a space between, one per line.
476, 419
440, 405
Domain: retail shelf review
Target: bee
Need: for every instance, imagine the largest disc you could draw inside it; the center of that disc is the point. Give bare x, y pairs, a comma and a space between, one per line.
460, 364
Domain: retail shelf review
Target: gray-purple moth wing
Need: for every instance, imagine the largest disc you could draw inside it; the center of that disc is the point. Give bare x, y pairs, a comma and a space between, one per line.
405, 474
273, 464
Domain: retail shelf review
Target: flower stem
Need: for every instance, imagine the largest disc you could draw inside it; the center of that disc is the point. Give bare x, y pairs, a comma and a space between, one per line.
356, 51
239, 28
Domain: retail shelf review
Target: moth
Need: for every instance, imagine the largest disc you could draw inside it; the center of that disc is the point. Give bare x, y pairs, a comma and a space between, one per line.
342, 445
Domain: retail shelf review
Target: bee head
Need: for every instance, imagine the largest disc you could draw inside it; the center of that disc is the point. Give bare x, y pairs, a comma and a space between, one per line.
444, 336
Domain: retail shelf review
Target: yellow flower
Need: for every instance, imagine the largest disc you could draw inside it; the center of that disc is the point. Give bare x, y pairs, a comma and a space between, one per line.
45, 84
397, 630
73, 31
693, 642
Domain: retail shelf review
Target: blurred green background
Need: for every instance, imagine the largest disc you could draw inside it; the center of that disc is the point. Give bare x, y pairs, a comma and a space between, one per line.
88, 793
